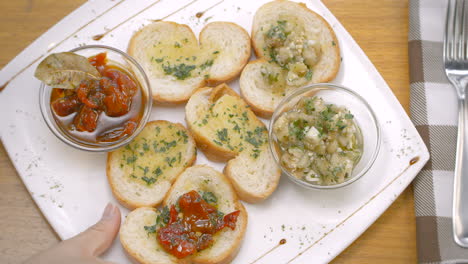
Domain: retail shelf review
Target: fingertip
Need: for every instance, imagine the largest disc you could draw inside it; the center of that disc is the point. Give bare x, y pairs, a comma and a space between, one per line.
111, 212
99, 237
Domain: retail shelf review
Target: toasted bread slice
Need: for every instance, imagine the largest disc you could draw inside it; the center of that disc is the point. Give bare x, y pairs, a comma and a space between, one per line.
140, 246
141, 173
295, 47
225, 129
177, 64
143, 246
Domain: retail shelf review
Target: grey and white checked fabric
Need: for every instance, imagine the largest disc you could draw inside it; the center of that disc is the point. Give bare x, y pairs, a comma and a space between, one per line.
433, 107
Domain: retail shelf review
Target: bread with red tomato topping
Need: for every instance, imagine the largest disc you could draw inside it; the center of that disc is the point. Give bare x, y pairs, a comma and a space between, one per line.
139, 232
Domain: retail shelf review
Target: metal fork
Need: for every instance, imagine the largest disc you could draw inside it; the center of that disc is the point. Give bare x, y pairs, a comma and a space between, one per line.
456, 68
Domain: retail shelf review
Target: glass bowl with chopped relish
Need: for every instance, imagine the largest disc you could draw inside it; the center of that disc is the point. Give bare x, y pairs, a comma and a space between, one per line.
104, 114
324, 136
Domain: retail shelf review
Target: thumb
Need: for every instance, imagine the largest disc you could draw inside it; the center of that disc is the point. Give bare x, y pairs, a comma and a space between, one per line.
98, 238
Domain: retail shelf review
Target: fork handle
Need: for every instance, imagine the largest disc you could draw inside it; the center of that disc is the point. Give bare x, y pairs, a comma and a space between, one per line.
460, 187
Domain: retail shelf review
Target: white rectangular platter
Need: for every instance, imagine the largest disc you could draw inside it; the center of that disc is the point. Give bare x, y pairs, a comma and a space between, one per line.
70, 186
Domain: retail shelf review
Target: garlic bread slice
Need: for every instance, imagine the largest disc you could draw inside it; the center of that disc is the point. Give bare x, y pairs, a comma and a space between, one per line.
177, 63
225, 129
141, 173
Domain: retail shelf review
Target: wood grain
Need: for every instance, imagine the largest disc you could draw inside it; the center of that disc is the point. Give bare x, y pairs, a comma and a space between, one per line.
379, 27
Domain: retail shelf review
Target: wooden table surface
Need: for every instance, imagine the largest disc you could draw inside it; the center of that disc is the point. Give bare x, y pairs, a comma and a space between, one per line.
379, 27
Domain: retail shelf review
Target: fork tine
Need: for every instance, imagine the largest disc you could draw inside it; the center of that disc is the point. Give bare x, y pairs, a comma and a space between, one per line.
456, 30
448, 37
463, 35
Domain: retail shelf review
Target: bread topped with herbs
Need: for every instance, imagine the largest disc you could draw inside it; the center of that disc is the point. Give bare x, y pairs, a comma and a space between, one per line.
141, 173
145, 230
177, 63
295, 47
225, 129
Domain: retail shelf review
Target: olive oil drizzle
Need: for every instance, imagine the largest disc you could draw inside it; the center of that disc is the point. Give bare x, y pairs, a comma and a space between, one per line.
200, 14
280, 243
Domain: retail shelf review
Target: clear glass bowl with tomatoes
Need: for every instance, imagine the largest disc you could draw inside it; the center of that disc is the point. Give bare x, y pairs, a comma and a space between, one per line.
104, 114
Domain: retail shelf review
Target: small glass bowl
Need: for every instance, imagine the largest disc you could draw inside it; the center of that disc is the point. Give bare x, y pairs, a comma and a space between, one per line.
363, 116
124, 61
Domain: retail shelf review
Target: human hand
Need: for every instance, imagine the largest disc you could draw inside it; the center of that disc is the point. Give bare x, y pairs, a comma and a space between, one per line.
85, 247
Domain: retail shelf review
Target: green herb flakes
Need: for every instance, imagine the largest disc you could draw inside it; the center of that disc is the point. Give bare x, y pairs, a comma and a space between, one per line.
209, 197
180, 71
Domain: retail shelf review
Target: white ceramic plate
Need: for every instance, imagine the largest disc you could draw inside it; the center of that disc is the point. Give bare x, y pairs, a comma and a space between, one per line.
70, 186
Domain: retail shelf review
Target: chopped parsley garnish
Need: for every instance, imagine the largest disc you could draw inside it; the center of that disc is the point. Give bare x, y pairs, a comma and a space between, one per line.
145, 169
255, 153
209, 197
146, 147
131, 159
252, 140
150, 229
148, 180
215, 52
164, 216
348, 116
161, 220
157, 171
170, 161
277, 31
340, 125
177, 45
180, 71
272, 78
297, 128
309, 106
308, 75
222, 134
328, 113
183, 135
206, 64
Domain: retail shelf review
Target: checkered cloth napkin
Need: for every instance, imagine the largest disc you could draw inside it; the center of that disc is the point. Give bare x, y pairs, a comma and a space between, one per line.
433, 106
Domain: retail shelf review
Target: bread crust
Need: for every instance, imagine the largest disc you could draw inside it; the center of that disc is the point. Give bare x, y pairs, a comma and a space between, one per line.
258, 110
235, 72
134, 204
247, 196
135, 44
